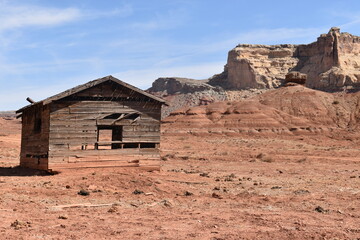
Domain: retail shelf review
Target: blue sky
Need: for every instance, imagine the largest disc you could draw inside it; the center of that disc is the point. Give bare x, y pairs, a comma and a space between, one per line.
50, 46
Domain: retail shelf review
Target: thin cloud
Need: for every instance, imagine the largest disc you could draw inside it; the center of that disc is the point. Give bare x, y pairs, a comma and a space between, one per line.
23, 16
170, 20
124, 11
20, 16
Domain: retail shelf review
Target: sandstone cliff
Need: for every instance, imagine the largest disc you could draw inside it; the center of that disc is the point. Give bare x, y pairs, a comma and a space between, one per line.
331, 63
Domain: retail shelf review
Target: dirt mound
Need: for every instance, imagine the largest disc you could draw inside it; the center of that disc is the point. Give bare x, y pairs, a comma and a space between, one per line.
293, 109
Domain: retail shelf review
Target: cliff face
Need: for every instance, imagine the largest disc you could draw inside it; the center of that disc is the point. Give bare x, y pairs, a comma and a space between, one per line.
331, 63
257, 66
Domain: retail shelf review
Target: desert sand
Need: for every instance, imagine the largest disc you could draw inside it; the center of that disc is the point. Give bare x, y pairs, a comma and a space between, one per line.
264, 168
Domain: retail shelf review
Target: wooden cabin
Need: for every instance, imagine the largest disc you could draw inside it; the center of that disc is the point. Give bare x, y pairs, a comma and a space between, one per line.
103, 123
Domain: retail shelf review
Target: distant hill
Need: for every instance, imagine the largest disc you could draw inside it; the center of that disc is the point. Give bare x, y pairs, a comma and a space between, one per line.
7, 114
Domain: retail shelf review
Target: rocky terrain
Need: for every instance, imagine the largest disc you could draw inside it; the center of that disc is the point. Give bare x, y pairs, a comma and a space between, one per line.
284, 164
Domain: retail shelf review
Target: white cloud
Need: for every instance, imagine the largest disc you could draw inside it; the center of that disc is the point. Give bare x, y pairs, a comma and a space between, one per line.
23, 16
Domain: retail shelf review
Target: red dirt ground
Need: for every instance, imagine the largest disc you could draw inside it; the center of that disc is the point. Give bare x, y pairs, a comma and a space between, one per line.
215, 183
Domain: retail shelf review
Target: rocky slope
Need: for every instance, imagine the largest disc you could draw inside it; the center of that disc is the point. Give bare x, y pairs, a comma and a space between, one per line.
289, 110
184, 92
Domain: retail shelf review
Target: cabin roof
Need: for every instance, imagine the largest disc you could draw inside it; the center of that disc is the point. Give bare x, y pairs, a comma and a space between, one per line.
90, 84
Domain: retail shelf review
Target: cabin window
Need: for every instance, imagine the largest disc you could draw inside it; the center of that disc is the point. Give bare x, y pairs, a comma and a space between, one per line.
113, 116
120, 116
132, 116
109, 137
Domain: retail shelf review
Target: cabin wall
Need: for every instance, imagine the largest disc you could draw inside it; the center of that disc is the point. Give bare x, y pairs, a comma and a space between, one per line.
35, 137
74, 133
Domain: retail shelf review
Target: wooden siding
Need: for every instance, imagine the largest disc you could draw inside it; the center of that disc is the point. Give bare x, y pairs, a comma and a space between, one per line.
35, 142
75, 123
69, 136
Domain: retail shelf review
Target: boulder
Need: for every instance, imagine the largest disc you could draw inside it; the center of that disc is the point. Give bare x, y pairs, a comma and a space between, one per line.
295, 77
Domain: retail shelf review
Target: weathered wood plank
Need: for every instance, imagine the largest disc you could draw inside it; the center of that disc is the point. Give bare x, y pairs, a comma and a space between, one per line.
106, 152
101, 164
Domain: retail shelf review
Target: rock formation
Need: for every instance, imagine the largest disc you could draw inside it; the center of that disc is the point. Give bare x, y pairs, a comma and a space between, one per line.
175, 85
295, 77
256, 66
331, 63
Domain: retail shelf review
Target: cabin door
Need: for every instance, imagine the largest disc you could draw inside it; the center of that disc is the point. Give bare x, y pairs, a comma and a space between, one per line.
109, 137
116, 136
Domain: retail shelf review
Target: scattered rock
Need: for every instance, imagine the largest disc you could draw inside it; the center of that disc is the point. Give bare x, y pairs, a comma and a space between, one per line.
276, 187
187, 193
113, 209
320, 209
83, 192
137, 192
264, 157
301, 191
166, 203
18, 224
204, 175
63, 217
215, 195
